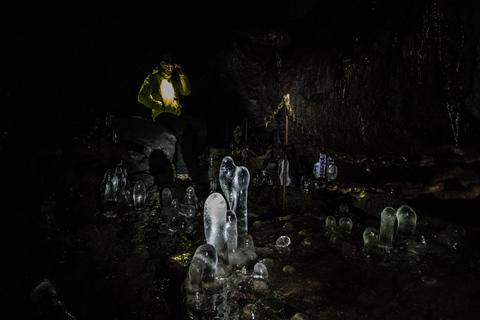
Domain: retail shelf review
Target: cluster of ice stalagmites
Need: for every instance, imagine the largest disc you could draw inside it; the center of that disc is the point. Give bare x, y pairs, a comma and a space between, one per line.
179, 214
397, 231
396, 227
116, 188
219, 265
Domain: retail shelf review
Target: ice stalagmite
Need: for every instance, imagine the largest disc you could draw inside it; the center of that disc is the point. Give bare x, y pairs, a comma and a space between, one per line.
260, 271
109, 195
387, 226
226, 177
191, 197
281, 172
330, 226
215, 221
332, 170
316, 170
299, 316
202, 268
122, 176
407, 222
234, 182
108, 188
282, 244
345, 225
166, 197
232, 236
139, 195
370, 237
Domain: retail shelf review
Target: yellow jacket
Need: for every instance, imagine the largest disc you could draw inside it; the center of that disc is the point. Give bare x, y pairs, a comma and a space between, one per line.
160, 91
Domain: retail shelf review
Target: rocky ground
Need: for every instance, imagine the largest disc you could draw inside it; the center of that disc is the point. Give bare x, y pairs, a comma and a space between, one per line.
111, 262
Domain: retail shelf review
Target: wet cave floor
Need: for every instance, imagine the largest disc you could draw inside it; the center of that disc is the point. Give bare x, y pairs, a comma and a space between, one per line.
131, 266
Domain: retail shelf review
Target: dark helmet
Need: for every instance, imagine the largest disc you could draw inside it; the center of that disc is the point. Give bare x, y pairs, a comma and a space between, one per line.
168, 58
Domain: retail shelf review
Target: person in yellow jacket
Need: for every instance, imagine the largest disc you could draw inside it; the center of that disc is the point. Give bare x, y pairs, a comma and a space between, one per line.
160, 92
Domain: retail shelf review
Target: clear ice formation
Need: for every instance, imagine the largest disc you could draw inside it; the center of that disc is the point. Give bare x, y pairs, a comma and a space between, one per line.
454, 235
245, 243
115, 136
281, 172
319, 168
323, 164
345, 225
299, 316
109, 120
108, 187
166, 197
186, 210
332, 170
282, 244
215, 220
260, 271
234, 182
316, 170
109, 192
139, 195
407, 222
45, 293
237, 134
264, 176
306, 184
202, 268
387, 226
330, 225
344, 208
121, 174
45, 289
190, 197
370, 237
213, 185
232, 237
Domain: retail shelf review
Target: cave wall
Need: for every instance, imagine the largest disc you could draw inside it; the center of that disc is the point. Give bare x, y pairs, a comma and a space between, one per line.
367, 79
363, 76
